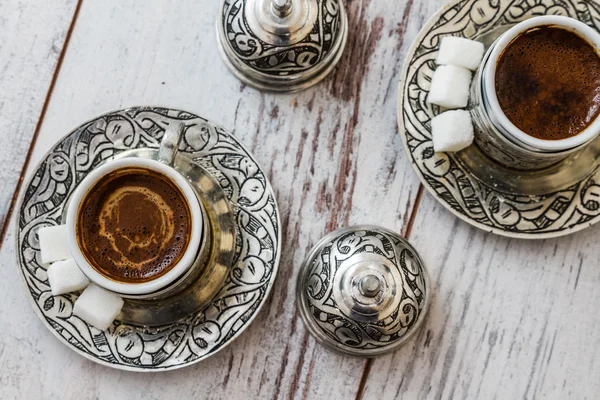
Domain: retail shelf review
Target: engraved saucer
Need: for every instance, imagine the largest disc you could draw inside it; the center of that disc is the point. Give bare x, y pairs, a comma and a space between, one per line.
551, 202
133, 345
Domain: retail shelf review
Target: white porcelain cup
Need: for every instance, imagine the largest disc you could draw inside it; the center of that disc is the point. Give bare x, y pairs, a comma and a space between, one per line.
496, 134
163, 167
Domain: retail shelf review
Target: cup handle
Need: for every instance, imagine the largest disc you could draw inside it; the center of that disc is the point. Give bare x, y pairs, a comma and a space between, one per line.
170, 142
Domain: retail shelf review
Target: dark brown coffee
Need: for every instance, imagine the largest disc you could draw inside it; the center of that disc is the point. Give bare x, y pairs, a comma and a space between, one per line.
548, 83
134, 225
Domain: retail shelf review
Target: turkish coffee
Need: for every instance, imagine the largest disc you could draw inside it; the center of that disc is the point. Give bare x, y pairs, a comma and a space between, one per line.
548, 83
134, 225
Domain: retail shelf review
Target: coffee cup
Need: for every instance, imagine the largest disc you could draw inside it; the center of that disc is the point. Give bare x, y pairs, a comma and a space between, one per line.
136, 226
499, 136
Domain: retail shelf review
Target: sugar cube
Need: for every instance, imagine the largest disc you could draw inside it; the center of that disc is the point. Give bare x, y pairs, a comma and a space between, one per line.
98, 307
65, 277
452, 130
53, 243
450, 87
460, 52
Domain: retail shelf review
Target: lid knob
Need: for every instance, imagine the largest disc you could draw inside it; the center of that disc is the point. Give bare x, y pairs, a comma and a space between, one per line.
370, 286
281, 8
363, 291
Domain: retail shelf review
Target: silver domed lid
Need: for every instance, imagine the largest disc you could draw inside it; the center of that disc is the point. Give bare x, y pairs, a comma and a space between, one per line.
282, 45
363, 291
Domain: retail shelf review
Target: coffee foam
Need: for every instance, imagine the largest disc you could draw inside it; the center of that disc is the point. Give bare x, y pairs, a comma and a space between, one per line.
134, 226
548, 83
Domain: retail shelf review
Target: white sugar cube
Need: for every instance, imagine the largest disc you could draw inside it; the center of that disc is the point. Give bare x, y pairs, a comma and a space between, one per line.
53, 243
98, 307
452, 130
460, 52
65, 277
450, 87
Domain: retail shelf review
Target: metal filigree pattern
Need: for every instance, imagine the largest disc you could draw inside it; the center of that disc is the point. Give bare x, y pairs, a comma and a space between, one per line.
554, 213
257, 249
403, 307
281, 61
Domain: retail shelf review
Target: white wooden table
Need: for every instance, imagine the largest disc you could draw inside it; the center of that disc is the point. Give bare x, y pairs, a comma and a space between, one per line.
509, 319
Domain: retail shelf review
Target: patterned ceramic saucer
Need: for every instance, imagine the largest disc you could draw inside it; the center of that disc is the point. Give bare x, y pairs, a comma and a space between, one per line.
556, 201
257, 250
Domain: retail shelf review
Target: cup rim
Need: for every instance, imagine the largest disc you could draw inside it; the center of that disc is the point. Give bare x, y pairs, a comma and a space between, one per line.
489, 82
178, 269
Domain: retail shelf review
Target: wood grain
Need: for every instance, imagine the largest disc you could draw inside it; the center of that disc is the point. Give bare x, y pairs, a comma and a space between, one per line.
332, 153
32, 35
509, 318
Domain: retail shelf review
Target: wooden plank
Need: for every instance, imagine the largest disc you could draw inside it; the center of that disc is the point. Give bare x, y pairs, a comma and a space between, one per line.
332, 153
32, 35
509, 318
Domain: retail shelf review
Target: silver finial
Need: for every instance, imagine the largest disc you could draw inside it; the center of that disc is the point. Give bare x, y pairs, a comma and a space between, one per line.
370, 286
281, 8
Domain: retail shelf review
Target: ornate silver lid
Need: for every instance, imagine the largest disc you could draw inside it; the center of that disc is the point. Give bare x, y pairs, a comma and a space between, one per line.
363, 291
282, 45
